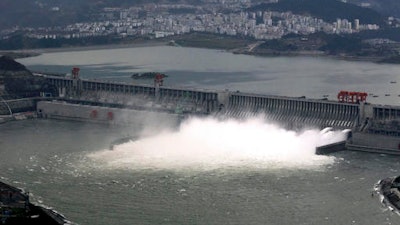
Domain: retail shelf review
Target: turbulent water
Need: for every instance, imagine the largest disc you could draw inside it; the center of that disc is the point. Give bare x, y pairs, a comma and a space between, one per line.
211, 144
205, 171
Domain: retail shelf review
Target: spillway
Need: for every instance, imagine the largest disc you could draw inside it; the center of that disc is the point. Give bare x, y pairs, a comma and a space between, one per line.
375, 127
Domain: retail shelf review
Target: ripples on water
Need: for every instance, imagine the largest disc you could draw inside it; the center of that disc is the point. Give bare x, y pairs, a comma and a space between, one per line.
248, 172
202, 177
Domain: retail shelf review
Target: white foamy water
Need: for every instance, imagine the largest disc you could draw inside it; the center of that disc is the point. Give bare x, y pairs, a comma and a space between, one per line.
210, 144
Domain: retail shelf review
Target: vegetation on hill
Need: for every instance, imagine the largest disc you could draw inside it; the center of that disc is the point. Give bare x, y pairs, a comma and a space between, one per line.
147, 75
385, 7
336, 44
45, 13
196, 39
9, 64
208, 40
347, 46
388, 33
391, 60
328, 10
294, 42
23, 42
320, 43
19, 82
28, 13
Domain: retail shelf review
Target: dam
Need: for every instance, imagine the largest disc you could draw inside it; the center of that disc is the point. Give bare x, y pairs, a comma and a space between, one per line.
374, 127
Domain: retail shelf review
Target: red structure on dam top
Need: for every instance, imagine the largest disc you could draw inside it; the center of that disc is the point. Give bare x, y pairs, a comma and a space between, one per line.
75, 73
352, 97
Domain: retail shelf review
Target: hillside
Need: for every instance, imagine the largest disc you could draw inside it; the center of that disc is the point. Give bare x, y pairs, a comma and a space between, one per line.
9, 64
28, 13
42, 13
390, 33
342, 46
385, 7
19, 82
328, 10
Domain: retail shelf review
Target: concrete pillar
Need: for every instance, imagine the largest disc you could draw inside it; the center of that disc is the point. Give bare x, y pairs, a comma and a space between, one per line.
366, 111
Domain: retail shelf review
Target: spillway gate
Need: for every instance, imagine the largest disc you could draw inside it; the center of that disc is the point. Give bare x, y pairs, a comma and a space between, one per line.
293, 112
288, 111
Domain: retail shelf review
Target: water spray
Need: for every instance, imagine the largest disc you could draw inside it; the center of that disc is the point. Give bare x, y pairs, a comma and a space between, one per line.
209, 143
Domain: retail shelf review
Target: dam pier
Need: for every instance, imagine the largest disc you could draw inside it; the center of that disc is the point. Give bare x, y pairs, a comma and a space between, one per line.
375, 128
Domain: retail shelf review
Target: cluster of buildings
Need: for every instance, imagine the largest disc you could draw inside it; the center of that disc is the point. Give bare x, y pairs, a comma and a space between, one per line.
161, 20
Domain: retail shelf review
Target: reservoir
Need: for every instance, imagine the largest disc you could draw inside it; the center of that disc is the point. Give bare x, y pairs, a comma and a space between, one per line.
203, 171
215, 69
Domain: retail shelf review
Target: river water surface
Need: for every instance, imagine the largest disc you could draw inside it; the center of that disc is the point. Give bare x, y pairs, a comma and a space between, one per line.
67, 165
203, 171
214, 69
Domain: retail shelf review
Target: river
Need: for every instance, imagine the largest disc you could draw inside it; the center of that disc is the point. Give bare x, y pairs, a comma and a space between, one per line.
214, 69
206, 171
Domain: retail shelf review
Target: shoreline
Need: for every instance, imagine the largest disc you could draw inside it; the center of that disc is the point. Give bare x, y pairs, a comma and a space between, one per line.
316, 54
39, 51
26, 53
101, 47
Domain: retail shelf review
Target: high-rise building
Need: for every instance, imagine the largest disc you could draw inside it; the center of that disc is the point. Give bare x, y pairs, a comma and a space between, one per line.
338, 23
356, 24
123, 14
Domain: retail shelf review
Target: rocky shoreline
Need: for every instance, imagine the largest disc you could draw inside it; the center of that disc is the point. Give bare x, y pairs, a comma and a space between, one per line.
388, 191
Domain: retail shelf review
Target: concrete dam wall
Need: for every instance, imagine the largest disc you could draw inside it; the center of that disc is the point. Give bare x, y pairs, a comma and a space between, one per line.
294, 112
173, 99
98, 114
376, 128
290, 112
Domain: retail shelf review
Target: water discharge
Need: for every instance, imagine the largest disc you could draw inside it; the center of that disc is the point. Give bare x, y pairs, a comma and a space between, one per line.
209, 143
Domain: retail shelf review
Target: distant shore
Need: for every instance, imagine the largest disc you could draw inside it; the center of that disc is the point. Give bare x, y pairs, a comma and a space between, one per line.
24, 53
100, 47
245, 48
319, 54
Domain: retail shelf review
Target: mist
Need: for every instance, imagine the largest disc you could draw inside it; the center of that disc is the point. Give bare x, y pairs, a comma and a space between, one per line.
209, 143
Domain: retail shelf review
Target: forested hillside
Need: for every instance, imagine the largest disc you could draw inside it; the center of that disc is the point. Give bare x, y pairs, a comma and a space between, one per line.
328, 10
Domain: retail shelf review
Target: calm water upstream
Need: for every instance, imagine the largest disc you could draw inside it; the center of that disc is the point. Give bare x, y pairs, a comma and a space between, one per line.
205, 171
